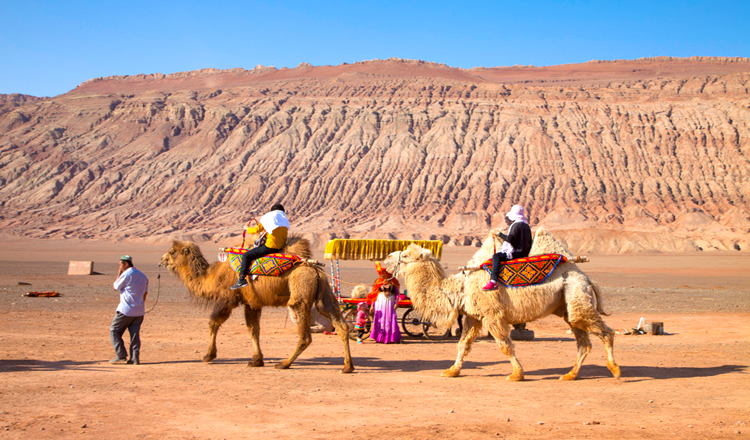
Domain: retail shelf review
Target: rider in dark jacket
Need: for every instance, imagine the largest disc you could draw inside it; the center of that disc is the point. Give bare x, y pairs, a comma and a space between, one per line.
517, 243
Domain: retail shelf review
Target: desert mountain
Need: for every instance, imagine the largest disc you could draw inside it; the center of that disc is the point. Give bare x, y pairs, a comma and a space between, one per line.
617, 156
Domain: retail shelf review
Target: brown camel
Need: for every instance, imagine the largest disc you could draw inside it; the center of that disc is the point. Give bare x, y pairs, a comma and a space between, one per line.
567, 292
299, 289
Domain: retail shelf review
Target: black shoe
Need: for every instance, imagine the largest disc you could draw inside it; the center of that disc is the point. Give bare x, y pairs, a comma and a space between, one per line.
239, 284
118, 361
134, 362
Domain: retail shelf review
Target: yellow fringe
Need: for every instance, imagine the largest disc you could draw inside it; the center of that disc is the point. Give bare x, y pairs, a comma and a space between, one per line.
375, 250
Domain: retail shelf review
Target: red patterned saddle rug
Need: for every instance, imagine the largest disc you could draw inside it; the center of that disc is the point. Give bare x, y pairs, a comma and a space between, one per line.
271, 265
526, 271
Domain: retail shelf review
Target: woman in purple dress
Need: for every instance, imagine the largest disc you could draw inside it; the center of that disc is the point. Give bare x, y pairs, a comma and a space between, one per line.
385, 319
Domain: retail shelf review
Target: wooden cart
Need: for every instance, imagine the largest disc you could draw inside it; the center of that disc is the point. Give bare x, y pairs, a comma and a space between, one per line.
412, 323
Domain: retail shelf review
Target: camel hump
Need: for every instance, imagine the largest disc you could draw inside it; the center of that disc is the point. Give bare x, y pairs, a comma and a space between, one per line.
298, 246
546, 243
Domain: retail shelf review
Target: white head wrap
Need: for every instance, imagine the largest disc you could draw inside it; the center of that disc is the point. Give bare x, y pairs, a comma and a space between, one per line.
517, 214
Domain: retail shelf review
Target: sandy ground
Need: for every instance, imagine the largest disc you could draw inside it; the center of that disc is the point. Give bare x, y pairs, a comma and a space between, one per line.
57, 383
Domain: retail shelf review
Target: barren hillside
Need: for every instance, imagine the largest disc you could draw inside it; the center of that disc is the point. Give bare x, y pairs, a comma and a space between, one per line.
619, 156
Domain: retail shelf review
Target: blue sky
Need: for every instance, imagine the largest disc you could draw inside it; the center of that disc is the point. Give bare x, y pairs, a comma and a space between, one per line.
49, 47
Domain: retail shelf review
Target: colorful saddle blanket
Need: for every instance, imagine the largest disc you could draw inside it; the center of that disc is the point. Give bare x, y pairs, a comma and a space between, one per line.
271, 265
526, 271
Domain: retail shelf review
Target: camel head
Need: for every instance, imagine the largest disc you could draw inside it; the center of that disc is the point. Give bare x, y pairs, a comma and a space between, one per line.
432, 295
184, 254
413, 253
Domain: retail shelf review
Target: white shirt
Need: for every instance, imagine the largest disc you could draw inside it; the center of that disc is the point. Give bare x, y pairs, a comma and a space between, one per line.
273, 220
132, 284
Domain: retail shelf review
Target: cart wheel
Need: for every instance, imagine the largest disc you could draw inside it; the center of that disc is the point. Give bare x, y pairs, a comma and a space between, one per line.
350, 317
434, 333
411, 323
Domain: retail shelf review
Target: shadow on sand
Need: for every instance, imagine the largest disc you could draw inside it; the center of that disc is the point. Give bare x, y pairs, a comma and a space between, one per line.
10, 365
373, 364
370, 364
631, 373
361, 364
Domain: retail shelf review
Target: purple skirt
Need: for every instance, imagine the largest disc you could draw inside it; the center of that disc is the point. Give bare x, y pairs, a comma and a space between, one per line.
385, 321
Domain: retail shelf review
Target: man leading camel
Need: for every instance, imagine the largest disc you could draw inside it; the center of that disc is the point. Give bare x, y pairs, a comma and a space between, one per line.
133, 287
517, 243
273, 227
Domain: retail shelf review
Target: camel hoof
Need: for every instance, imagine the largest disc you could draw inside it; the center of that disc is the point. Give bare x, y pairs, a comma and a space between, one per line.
282, 366
515, 377
450, 372
255, 363
569, 376
615, 369
347, 369
209, 357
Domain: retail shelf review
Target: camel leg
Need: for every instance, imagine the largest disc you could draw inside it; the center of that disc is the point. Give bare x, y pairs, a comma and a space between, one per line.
219, 315
584, 316
252, 320
302, 313
501, 332
468, 335
332, 312
584, 347
607, 335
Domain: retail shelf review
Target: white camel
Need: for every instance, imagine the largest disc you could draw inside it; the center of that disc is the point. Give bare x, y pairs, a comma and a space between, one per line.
568, 292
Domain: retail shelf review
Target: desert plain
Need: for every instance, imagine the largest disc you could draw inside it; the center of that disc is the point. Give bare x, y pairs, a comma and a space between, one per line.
57, 382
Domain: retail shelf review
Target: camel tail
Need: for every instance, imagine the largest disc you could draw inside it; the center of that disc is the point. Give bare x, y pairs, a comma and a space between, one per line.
324, 293
598, 297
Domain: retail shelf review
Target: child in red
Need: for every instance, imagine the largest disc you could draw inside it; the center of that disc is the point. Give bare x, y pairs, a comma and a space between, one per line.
360, 323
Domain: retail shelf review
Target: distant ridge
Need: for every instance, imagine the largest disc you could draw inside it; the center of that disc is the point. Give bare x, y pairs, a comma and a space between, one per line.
397, 67
612, 156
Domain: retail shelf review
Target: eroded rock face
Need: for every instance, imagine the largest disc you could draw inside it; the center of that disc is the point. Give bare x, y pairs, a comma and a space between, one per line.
619, 156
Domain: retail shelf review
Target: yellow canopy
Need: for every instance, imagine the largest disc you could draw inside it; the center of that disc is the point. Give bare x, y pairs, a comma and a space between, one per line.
375, 250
